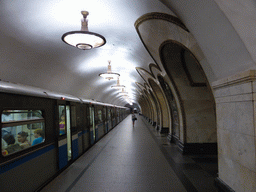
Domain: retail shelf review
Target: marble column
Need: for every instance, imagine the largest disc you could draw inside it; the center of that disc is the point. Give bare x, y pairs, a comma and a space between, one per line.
236, 114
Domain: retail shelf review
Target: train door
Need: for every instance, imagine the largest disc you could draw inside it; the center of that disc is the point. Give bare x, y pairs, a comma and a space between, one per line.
110, 126
92, 125
105, 121
64, 135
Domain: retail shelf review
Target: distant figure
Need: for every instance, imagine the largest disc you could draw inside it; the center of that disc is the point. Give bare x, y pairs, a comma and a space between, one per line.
39, 136
12, 147
22, 138
134, 118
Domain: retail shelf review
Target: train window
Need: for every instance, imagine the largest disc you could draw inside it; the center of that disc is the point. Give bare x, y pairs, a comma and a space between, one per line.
109, 114
99, 116
104, 113
62, 120
21, 129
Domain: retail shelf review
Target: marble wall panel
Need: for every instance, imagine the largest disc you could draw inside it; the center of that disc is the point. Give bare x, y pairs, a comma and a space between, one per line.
237, 147
239, 178
201, 122
240, 88
235, 89
227, 115
235, 111
236, 116
244, 117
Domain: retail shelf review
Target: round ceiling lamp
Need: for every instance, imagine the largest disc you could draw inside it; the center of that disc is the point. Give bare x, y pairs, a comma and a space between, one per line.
118, 86
83, 39
109, 75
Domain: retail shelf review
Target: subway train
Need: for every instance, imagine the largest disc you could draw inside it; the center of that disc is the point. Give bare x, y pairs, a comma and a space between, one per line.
43, 132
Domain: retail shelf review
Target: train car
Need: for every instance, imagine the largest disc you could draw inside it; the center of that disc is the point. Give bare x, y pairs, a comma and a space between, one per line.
43, 132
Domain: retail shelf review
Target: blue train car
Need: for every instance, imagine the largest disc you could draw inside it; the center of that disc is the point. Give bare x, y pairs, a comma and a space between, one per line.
43, 132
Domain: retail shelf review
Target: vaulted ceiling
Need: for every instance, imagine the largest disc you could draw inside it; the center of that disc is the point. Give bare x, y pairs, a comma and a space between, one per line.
32, 52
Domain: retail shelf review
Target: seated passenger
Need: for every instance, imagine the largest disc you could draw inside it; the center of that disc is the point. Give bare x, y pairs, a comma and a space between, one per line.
12, 147
39, 136
9, 139
22, 138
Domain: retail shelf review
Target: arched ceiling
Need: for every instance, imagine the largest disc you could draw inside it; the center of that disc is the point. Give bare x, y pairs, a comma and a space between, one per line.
32, 52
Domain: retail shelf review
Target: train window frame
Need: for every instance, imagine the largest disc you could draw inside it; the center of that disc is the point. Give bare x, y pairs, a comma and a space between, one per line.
27, 125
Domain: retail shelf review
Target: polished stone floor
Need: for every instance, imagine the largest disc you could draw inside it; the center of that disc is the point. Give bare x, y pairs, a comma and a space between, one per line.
136, 159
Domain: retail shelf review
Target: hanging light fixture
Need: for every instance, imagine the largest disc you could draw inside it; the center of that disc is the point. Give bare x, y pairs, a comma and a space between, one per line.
123, 93
109, 75
118, 86
84, 39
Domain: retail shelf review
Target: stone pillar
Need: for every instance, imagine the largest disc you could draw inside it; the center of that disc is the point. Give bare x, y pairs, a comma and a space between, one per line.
236, 114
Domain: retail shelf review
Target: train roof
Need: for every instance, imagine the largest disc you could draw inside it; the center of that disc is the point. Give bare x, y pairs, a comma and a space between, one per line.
15, 88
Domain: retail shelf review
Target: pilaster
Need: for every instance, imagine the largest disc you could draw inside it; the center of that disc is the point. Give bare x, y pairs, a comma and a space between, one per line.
236, 110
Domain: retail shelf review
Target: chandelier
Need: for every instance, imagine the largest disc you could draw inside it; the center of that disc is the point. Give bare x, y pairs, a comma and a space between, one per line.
84, 39
118, 86
109, 75
123, 93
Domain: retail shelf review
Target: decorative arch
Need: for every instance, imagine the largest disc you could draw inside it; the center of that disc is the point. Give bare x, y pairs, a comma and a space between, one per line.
165, 117
189, 79
157, 112
150, 110
175, 110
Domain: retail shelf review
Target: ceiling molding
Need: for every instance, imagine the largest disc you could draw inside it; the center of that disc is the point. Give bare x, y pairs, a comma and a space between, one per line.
151, 73
152, 65
139, 69
160, 16
140, 86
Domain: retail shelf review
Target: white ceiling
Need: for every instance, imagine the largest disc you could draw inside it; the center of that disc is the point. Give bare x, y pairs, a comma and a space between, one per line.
32, 52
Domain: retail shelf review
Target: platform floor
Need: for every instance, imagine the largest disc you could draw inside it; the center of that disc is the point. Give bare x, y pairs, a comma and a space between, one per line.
136, 159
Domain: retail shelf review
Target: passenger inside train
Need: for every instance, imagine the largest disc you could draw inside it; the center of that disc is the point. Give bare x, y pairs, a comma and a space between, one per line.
39, 136
62, 124
22, 138
17, 130
62, 120
11, 145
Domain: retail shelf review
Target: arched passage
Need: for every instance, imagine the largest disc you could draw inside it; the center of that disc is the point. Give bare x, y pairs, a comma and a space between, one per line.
145, 106
165, 118
151, 108
176, 116
157, 114
200, 135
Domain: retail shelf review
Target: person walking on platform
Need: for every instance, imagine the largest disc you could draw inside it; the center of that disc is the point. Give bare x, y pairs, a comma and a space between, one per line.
134, 118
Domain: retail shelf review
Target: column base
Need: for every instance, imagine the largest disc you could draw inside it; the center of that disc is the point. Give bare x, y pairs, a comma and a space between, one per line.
199, 148
221, 186
164, 130
194, 148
